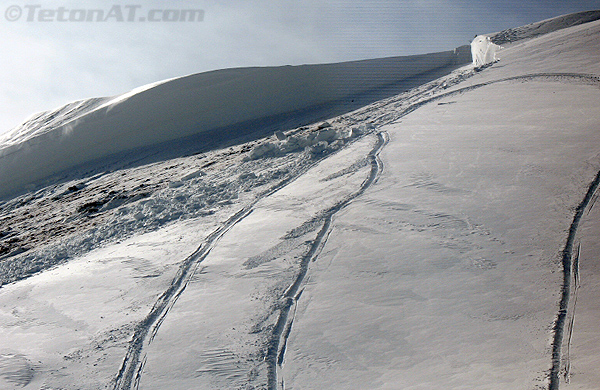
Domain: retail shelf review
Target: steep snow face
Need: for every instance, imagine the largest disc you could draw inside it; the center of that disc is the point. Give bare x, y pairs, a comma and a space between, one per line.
483, 51
214, 107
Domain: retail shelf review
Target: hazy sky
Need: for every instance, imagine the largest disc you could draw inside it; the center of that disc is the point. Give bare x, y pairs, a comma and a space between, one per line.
47, 62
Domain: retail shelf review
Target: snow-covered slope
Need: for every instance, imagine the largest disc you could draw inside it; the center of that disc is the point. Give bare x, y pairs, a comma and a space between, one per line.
544, 27
443, 238
216, 107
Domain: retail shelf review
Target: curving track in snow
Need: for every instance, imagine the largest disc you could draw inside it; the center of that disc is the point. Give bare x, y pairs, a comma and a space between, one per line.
588, 79
132, 366
281, 332
129, 375
570, 264
569, 274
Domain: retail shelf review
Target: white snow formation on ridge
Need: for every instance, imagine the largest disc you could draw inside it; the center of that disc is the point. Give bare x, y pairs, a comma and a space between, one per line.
443, 238
223, 105
483, 50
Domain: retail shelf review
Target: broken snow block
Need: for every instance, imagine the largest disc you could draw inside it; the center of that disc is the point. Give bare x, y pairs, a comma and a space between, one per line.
280, 135
345, 133
264, 150
328, 135
319, 147
175, 184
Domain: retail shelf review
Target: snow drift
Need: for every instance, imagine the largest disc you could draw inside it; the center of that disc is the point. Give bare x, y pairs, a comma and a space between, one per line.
218, 106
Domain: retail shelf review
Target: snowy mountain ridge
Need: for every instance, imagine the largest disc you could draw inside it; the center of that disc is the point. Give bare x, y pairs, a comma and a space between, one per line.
208, 108
197, 107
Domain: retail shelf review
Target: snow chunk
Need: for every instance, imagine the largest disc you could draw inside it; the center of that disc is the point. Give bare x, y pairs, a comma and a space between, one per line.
263, 150
325, 138
193, 175
329, 135
483, 50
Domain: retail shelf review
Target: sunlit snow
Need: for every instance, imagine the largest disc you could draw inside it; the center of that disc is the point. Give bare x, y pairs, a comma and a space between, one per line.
407, 223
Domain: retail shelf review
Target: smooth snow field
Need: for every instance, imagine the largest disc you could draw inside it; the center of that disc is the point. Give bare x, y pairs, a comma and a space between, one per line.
442, 238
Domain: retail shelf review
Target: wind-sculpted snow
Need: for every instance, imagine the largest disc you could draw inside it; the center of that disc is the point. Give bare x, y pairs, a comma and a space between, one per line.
213, 108
45, 122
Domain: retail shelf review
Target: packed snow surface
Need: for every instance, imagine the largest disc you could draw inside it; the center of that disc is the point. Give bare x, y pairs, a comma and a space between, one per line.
442, 238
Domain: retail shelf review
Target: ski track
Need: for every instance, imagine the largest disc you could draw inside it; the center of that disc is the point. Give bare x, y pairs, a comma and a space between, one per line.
131, 365
131, 369
588, 79
275, 355
282, 330
577, 281
567, 253
570, 266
